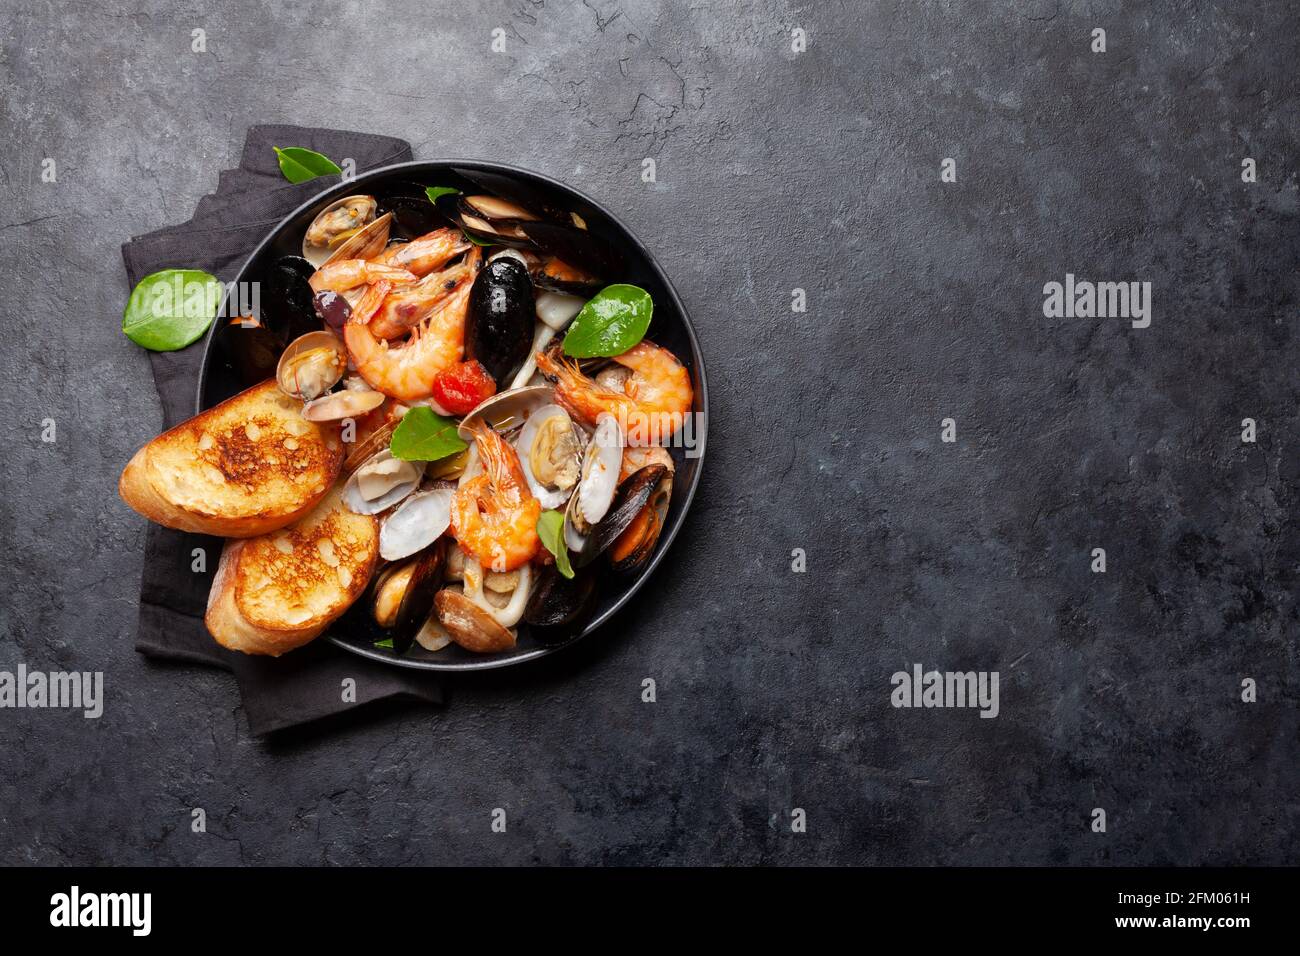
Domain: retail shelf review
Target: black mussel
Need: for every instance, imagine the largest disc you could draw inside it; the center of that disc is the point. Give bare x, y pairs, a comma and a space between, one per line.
499, 325
628, 507
417, 599
413, 215
559, 600
556, 275
518, 192
560, 607
287, 309
332, 309
576, 247
493, 221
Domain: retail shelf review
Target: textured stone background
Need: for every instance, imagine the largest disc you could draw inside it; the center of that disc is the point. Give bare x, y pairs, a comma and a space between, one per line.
775, 171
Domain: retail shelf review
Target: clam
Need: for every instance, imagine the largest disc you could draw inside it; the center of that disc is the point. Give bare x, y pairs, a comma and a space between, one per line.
597, 485
337, 223
348, 403
471, 626
630, 530
551, 455
506, 410
381, 482
366, 243
415, 524
377, 439
311, 365
499, 322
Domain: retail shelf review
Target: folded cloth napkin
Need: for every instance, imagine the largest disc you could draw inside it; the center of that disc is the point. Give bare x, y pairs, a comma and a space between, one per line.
308, 683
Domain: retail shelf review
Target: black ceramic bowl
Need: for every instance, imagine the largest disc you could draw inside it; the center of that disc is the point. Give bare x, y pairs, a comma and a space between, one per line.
401, 187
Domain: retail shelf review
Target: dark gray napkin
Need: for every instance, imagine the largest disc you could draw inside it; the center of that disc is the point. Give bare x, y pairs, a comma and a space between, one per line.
308, 683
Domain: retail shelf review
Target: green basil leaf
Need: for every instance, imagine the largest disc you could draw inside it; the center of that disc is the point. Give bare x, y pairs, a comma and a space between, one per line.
170, 309
550, 528
300, 165
611, 322
424, 435
386, 642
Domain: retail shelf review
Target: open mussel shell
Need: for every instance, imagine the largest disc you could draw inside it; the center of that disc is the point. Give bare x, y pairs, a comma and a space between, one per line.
559, 607
506, 410
519, 192
470, 216
557, 276
311, 365
415, 524
632, 497
381, 482
336, 224
500, 318
576, 247
633, 547
418, 598
336, 406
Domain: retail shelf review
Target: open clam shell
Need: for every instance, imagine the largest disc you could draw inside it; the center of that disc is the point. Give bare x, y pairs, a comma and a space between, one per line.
348, 403
367, 243
597, 486
506, 410
550, 453
311, 365
415, 524
336, 224
381, 482
471, 626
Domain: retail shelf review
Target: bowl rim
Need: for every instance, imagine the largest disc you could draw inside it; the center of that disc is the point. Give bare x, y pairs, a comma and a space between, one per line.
697, 359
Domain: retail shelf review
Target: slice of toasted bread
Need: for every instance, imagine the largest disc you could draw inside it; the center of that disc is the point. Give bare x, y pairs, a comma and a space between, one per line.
280, 590
245, 467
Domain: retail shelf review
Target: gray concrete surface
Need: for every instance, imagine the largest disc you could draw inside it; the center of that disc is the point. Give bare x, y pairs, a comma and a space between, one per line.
776, 170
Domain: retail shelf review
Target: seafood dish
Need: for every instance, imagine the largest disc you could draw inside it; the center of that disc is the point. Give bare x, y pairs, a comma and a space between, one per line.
456, 428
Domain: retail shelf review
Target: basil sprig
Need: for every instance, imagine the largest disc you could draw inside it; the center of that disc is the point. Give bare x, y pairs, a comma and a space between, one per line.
170, 309
612, 321
550, 528
424, 435
299, 165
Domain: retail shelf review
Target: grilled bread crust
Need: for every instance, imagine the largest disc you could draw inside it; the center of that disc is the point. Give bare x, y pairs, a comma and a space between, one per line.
278, 591
242, 468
